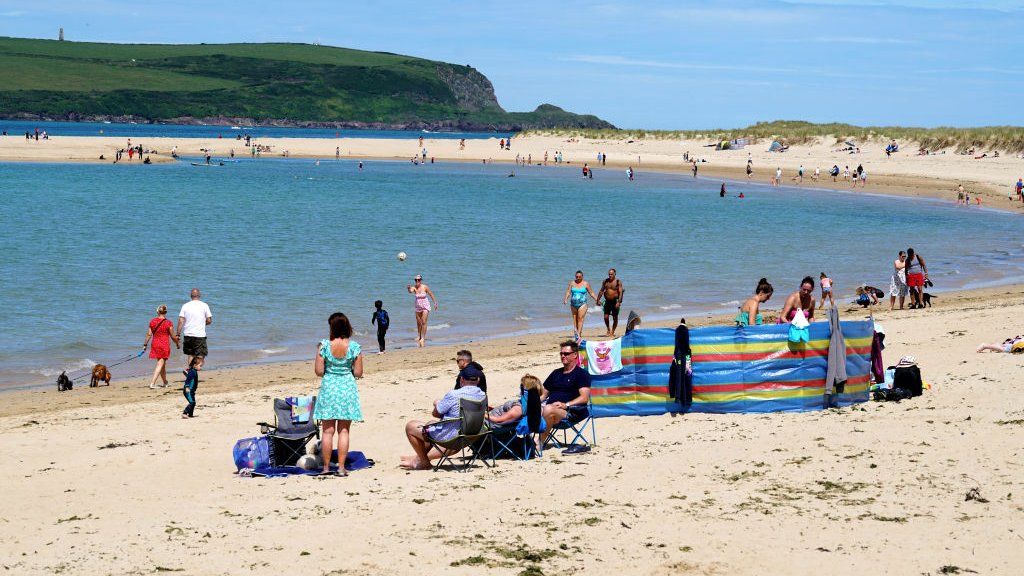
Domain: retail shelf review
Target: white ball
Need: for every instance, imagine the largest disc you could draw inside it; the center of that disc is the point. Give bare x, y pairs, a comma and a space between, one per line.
402, 256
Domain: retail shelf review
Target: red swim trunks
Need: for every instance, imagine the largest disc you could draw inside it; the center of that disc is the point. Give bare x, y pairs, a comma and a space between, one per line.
915, 280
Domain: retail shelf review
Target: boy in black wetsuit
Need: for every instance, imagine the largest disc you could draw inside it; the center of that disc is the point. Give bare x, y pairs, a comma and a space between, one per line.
382, 320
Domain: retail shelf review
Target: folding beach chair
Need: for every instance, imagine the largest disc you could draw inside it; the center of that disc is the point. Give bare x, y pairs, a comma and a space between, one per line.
473, 433
519, 439
293, 428
573, 431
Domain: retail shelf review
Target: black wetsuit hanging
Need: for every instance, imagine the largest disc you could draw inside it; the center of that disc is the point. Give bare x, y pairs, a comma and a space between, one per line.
680, 383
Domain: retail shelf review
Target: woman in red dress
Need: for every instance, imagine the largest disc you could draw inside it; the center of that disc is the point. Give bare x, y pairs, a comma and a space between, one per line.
161, 330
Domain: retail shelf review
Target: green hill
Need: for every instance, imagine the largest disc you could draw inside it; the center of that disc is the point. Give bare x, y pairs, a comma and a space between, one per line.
299, 84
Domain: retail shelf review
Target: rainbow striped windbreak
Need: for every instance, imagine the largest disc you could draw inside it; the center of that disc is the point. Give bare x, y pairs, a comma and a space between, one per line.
752, 369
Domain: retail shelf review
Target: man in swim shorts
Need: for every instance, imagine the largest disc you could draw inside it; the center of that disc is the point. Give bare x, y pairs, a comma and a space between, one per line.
612, 291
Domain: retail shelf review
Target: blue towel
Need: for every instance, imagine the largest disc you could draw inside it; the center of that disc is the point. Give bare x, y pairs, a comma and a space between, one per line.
354, 461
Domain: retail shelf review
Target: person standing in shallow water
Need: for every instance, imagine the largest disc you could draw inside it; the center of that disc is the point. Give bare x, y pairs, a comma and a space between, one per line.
421, 307
576, 296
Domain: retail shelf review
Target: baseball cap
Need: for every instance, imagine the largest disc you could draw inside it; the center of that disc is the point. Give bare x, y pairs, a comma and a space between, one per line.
471, 373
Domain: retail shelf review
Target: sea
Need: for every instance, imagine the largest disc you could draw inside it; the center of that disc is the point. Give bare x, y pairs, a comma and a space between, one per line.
89, 251
132, 130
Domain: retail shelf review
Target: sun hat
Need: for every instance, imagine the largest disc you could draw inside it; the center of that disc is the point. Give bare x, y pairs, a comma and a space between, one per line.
907, 360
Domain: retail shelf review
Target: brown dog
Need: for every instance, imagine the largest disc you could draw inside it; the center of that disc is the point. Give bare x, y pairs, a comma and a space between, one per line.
99, 372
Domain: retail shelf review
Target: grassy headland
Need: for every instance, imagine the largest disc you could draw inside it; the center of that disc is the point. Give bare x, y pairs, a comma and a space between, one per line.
1003, 138
301, 84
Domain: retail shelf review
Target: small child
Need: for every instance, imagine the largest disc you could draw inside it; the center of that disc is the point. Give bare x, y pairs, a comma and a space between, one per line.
189, 389
382, 320
826, 291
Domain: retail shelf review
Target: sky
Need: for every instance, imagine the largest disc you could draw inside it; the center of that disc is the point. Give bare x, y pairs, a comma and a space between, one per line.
653, 65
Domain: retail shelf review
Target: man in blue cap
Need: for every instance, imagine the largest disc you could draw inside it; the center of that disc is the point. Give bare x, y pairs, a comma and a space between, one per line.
447, 407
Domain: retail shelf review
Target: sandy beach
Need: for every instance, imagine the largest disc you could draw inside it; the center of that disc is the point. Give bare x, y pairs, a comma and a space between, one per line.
905, 173
112, 481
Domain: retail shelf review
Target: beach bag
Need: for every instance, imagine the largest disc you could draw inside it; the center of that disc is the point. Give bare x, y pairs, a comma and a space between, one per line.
1018, 347
250, 453
908, 378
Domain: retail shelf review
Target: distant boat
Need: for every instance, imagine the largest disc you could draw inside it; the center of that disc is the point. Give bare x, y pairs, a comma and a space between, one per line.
205, 164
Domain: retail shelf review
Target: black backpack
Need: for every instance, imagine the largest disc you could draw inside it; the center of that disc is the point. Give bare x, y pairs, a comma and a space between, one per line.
908, 378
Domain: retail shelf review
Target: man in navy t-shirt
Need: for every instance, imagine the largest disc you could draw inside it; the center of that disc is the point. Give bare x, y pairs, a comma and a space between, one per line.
567, 389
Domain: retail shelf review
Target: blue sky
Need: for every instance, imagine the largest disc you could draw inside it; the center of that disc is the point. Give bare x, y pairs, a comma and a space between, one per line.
663, 65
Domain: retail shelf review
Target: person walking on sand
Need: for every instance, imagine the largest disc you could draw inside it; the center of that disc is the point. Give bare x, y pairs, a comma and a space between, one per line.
1020, 189
694, 168
959, 194
750, 168
799, 178
193, 319
161, 331
421, 306
188, 389
826, 291
383, 321
339, 362
898, 283
612, 292
576, 296
778, 177
917, 275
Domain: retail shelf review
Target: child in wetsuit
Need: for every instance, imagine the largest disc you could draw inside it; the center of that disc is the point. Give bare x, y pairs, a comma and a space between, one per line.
189, 389
382, 320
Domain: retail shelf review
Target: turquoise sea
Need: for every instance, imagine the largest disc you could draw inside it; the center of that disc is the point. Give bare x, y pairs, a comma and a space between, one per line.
89, 251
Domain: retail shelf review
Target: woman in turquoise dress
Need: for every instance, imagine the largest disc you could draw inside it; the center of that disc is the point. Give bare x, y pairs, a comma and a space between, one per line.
339, 362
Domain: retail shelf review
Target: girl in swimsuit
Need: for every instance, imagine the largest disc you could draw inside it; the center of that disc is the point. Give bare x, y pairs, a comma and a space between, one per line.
749, 313
421, 306
577, 291
826, 290
802, 299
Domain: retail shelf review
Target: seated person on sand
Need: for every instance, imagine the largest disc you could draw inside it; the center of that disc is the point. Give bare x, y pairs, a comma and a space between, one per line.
512, 410
566, 390
749, 314
802, 299
445, 408
1006, 346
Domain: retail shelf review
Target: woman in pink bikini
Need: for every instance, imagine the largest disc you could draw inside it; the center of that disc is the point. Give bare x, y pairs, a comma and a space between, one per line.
802, 299
420, 293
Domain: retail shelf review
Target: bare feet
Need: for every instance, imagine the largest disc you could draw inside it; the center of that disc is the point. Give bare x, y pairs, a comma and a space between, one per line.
414, 463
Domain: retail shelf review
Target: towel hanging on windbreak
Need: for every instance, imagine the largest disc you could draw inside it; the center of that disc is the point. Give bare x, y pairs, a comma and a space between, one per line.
835, 375
680, 374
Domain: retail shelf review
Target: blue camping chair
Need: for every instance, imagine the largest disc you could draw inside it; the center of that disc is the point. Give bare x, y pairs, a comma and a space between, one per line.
519, 439
574, 432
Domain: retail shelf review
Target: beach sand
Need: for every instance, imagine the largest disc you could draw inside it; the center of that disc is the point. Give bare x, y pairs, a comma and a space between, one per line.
112, 481
905, 173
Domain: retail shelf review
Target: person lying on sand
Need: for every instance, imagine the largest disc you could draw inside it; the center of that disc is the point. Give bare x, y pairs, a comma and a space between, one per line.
444, 409
1005, 347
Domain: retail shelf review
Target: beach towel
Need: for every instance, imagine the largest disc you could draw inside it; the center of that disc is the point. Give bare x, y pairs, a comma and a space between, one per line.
835, 373
302, 408
798, 328
604, 357
354, 461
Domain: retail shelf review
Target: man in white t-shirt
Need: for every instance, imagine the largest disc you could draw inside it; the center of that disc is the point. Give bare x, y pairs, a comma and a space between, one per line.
193, 319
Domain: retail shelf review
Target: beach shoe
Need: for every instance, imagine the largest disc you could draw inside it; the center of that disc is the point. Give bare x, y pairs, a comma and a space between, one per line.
576, 449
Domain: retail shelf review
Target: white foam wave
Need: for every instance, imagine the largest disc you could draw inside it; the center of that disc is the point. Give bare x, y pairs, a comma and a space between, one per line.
523, 318
269, 351
441, 326
730, 303
75, 366
671, 307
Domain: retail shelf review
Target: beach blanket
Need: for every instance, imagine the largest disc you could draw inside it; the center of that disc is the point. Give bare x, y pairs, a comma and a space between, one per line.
302, 408
604, 357
354, 461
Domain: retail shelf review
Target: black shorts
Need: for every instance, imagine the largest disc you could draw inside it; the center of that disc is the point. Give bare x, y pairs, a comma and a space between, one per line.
194, 346
611, 306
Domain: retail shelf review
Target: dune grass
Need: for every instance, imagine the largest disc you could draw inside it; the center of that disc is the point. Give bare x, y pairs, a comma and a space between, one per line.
1002, 138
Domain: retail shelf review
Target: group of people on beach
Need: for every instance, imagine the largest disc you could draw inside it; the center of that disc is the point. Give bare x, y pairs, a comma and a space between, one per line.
189, 335
564, 394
